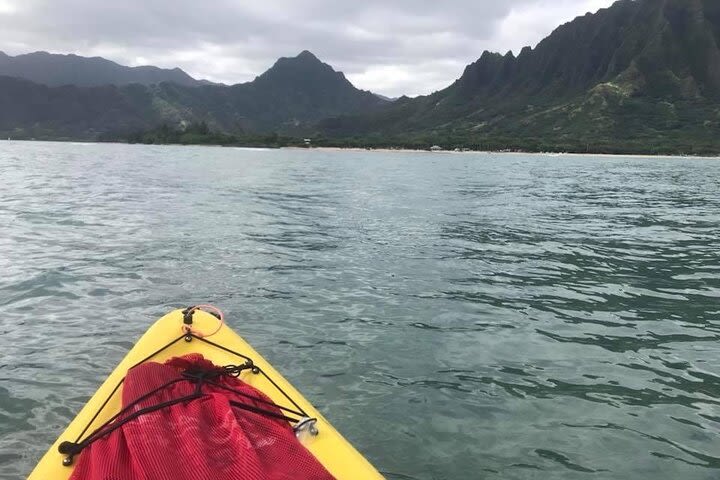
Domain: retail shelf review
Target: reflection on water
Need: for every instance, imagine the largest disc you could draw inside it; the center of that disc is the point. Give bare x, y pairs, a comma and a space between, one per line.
456, 316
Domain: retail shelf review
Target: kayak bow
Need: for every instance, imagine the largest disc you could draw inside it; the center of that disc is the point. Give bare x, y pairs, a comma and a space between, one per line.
172, 336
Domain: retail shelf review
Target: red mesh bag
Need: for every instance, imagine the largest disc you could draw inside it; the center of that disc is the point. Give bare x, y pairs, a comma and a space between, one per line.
202, 439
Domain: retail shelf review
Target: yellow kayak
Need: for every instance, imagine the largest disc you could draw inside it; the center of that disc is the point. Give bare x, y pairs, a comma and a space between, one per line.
176, 335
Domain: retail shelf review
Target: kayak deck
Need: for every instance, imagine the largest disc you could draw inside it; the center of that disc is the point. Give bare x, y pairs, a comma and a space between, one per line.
336, 454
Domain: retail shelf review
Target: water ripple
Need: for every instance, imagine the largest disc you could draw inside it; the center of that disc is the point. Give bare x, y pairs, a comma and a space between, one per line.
455, 316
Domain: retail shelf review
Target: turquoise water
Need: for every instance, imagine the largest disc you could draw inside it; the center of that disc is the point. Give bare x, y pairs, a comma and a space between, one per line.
455, 316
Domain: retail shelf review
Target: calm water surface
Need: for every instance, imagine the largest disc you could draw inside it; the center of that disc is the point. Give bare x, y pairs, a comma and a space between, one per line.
456, 316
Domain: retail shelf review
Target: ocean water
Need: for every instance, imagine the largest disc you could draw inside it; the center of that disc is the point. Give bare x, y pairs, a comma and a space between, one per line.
455, 316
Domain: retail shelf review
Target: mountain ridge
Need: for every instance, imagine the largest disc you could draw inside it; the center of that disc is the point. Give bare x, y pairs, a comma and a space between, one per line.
644, 72
56, 70
290, 96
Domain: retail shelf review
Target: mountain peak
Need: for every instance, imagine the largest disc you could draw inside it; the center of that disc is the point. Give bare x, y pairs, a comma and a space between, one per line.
307, 55
303, 67
305, 59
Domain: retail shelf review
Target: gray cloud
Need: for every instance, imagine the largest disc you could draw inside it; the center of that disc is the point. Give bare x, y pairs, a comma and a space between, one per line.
399, 47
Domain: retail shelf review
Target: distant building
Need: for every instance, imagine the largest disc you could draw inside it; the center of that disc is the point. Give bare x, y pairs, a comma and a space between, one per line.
436, 148
307, 141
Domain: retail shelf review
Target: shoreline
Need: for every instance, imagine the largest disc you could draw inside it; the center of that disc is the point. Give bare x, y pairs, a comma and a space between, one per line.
493, 152
377, 150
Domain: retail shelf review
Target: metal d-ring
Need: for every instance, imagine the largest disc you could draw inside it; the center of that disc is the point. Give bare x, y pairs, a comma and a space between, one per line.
306, 424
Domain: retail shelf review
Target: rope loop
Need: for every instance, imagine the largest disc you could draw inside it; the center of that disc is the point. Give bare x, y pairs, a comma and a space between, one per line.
213, 310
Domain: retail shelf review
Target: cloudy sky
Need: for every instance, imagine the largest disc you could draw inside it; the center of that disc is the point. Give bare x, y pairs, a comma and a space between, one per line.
392, 47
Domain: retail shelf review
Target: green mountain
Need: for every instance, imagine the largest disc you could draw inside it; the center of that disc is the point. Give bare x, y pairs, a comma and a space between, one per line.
57, 70
640, 76
290, 97
30, 110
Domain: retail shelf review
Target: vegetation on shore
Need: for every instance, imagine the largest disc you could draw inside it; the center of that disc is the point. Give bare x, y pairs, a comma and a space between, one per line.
201, 134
